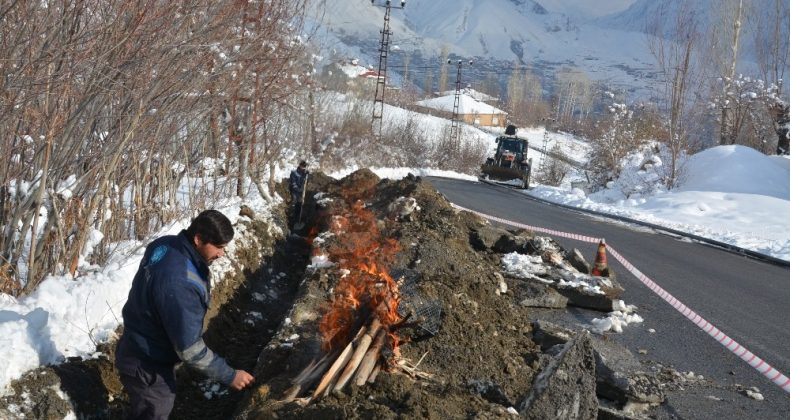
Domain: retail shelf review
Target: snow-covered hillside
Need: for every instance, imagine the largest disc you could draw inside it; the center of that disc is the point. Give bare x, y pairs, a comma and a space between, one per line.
606, 39
641, 15
546, 34
732, 194
583, 9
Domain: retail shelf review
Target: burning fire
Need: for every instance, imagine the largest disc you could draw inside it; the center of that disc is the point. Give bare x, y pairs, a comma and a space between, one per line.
367, 290
357, 328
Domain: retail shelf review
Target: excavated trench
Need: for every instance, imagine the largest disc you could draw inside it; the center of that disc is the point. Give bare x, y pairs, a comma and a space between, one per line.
475, 350
246, 309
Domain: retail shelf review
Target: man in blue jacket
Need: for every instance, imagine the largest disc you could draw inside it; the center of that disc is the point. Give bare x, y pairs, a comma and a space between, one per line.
296, 185
163, 317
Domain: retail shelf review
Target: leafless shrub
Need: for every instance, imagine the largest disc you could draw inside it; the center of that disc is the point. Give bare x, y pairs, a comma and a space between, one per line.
618, 139
407, 145
472, 154
404, 142
462, 155
554, 169
354, 141
751, 110
8, 281
107, 105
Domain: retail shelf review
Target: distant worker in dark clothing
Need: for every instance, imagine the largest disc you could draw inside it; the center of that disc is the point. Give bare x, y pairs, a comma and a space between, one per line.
296, 185
163, 317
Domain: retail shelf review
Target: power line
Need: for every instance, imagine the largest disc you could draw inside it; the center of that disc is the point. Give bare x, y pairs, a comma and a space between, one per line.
455, 128
381, 77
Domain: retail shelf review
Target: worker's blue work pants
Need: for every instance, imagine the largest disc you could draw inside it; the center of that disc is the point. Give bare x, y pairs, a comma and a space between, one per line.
151, 388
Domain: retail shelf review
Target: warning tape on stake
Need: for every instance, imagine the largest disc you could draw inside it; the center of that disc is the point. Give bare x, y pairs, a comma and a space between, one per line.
757, 363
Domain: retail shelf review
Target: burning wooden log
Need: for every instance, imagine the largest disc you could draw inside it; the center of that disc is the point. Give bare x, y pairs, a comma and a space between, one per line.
331, 376
359, 353
309, 374
371, 356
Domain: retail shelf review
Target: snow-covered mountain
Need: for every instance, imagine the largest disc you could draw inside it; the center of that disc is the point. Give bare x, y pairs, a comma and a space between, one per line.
606, 39
636, 17
544, 34
712, 17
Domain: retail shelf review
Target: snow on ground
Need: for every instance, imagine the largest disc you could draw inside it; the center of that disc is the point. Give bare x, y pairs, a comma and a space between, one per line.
732, 194
538, 138
67, 316
429, 127
729, 193
616, 320
530, 267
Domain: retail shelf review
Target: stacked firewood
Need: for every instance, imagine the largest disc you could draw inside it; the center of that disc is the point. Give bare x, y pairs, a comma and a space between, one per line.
363, 311
358, 361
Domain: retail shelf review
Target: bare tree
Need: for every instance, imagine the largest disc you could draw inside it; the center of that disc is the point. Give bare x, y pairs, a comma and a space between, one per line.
490, 85
107, 105
406, 75
428, 83
618, 139
676, 60
732, 16
554, 170
525, 96
536, 108
443, 69
752, 104
574, 95
516, 94
771, 38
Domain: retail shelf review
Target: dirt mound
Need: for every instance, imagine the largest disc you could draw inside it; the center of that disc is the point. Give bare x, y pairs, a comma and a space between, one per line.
91, 385
482, 359
472, 354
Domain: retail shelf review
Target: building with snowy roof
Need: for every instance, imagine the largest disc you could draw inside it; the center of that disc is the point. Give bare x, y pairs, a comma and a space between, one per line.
470, 110
477, 95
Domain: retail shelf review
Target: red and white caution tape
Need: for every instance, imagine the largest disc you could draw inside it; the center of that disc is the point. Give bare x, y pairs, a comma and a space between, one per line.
757, 363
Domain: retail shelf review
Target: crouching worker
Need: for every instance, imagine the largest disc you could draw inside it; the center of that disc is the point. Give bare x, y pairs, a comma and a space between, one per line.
163, 317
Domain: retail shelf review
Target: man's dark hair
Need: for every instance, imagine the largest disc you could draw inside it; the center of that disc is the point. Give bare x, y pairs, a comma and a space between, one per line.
212, 227
302, 164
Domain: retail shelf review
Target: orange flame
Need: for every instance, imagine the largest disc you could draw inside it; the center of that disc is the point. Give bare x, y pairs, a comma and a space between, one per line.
368, 288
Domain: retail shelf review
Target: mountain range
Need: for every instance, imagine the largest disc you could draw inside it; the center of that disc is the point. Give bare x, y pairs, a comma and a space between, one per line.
606, 39
545, 35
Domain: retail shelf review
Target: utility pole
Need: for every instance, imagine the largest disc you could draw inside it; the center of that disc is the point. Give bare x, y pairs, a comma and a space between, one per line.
545, 150
455, 127
381, 77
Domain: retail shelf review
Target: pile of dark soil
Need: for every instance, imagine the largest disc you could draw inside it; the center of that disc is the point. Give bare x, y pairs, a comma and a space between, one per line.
481, 361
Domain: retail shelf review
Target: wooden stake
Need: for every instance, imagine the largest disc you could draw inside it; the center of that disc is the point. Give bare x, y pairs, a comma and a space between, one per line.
359, 353
309, 375
374, 374
334, 371
369, 361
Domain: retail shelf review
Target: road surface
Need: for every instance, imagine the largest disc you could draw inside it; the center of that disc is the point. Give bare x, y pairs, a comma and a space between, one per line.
749, 300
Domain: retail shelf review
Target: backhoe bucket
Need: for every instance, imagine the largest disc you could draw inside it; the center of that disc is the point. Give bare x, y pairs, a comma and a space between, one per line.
500, 174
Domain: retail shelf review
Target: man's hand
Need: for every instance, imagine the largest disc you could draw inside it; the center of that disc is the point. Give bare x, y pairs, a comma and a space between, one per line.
241, 380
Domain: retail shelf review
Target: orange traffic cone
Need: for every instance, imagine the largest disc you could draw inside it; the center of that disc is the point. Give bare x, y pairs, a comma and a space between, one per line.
601, 268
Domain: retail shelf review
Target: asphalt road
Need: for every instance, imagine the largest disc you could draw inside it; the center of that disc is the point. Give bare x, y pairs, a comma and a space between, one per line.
749, 300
